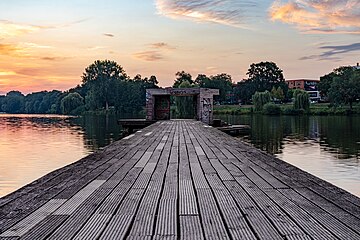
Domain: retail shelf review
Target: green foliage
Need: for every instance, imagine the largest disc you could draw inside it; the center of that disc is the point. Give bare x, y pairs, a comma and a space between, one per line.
271, 109
327, 80
277, 93
263, 76
244, 91
290, 110
14, 102
101, 78
182, 77
302, 100
184, 105
222, 81
345, 87
260, 99
71, 102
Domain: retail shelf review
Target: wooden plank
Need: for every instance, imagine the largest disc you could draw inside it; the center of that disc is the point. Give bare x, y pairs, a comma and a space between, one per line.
112, 201
70, 205
214, 227
117, 227
166, 224
305, 220
45, 227
36, 217
190, 228
336, 227
234, 218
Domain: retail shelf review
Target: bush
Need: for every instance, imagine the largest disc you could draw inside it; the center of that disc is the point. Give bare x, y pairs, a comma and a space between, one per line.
292, 111
302, 100
271, 109
260, 99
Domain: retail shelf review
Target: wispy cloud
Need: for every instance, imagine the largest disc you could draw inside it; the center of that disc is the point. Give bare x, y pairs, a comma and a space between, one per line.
14, 29
109, 35
28, 51
227, 12
156, 52
11, 29
13, 50
162, 45
333, 52
149, 56
319, 16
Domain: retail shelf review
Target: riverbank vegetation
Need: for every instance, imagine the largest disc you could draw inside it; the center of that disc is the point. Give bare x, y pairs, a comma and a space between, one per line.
106, 88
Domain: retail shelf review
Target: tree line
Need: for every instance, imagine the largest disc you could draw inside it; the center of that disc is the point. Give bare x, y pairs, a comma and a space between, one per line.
105, 86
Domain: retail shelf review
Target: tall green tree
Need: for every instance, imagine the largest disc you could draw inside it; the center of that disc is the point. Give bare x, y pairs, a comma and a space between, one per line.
345, 88
14, 102
182, 77
327, 80
222, 81
244, 91
302, 100
100, 78
260, 99
266, 75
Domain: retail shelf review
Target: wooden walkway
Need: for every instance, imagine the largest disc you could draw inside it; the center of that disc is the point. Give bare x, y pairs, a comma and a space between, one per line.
179, 180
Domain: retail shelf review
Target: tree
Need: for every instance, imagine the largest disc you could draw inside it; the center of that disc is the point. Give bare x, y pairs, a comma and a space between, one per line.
302, 100
326, 80
101, 78
260, 99
201, 80
345, 88
244, 91
266, 75
221, 81
182, 77
71, 102
14, 102
277, 93
184, 104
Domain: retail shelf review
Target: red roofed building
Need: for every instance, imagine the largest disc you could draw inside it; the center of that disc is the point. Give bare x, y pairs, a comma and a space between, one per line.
309, 85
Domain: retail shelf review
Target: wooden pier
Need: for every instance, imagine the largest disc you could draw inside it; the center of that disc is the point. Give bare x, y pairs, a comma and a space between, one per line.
179, 180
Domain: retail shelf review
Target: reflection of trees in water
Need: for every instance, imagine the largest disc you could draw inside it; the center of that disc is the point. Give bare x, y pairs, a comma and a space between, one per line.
339, 135
267, 133
99, 131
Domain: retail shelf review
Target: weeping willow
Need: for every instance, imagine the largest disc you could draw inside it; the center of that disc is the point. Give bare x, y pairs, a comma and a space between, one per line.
302, 100
260, 99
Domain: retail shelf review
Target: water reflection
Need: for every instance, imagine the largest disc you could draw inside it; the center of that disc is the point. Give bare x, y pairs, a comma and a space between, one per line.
326, 146
34, 145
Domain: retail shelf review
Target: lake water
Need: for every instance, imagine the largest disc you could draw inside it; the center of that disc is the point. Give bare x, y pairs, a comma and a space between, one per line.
326, 146
33, 145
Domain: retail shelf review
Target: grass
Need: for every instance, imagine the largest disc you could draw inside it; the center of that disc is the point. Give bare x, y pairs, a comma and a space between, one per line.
287, 109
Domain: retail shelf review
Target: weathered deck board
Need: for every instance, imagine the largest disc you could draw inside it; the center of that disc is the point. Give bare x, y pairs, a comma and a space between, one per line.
179, 180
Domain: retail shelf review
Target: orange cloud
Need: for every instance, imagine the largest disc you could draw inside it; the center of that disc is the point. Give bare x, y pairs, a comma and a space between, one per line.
13, 50
336, 16
11, 29
226, 12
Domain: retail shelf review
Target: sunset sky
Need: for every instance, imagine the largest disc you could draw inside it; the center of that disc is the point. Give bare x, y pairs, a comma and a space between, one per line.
46, 44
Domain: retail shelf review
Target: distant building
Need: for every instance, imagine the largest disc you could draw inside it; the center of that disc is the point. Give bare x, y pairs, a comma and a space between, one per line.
309, 85
357, 67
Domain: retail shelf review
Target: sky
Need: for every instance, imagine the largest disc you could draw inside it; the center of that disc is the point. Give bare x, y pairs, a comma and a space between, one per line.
47, 44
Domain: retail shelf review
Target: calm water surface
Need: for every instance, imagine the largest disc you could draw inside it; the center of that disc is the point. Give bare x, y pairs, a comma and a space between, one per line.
326, 146
34, 145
